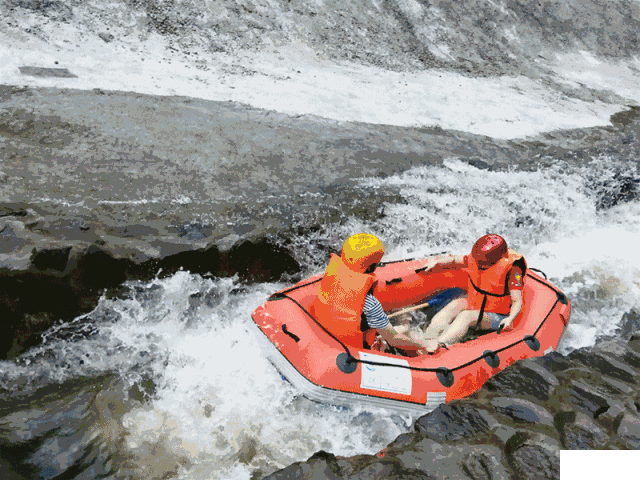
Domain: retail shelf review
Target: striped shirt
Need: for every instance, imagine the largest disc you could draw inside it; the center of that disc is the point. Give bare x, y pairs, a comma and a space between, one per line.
376, 318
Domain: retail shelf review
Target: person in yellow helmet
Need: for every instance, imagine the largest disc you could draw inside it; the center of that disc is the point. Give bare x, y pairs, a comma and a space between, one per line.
345, 304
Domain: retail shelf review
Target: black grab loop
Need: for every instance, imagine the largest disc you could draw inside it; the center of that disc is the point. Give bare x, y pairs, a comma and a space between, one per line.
532, 342
346, 363
491, 358
539, 271
291, 334
445, 376
393, 280
277, 296
562, 298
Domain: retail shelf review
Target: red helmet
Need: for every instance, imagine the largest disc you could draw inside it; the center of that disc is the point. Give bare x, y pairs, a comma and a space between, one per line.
489, 249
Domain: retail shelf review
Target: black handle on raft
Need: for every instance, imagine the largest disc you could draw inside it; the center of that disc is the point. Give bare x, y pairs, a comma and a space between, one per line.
291, 334
539, 271
393, 280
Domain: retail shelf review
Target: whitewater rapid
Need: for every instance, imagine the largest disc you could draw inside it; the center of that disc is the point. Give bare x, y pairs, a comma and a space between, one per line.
214, 408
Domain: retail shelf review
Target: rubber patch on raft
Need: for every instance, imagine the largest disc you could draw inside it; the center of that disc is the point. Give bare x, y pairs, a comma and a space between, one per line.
386, 379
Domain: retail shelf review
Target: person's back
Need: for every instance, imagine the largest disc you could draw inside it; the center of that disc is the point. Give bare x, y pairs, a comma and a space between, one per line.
345, 305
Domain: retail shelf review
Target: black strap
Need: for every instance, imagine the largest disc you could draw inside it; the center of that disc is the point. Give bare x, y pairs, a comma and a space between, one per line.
484, 302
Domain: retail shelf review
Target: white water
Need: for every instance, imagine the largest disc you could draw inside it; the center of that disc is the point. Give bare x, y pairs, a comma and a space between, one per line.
292, 78
221, 411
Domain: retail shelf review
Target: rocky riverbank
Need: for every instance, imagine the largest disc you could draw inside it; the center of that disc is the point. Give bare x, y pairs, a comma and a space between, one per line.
516, 425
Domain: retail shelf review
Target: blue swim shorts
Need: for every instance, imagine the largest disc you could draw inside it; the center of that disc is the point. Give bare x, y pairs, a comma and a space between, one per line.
495, 319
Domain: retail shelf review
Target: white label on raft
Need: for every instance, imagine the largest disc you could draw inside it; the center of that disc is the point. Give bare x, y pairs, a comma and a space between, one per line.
548, 350
434, 399
385, 378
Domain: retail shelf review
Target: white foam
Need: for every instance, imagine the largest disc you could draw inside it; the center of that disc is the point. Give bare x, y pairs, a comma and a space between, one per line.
296, 80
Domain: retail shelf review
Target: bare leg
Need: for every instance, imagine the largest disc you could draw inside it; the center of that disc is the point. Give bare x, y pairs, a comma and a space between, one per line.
459, 327
444, 317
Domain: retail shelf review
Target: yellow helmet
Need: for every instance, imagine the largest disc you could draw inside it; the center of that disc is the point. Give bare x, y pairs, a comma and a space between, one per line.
362, 250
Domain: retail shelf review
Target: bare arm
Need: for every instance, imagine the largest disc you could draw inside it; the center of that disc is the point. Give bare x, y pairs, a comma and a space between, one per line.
443, 260
516, 306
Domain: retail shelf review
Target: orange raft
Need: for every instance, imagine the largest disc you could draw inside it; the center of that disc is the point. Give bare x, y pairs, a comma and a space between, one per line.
327, 371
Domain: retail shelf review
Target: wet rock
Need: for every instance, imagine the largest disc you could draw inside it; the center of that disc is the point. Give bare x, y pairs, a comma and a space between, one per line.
133, 231
46, 72
588, 400
13, 210
453, 422
522, 410
11, 238
484, 462
193, 231
579, 432
605, 365
261, 260
320, 465
107, 37
535, 458
629, 430
50, 258
629, 324
524, 379
390, 470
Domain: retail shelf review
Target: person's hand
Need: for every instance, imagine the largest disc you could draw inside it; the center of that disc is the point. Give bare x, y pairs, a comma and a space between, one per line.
506, 325
428, 265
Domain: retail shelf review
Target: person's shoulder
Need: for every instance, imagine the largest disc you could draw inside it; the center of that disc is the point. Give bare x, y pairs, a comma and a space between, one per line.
516, 277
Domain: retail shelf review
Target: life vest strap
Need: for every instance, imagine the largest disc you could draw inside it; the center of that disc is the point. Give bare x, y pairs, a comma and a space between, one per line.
485, 293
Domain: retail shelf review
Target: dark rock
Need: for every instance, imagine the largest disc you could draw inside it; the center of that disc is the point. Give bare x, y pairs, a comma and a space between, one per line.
261, 261
10, 240
107, 37
553, 362
321, 465
536, 458
133, 231
67, 229
586, 399
51, 258
391, 469
454, 421
484, 462
629, 324
629, 430
526, 379
522, 410
579, 432
98, 269
46, 72
194, 261
193, 231
13, 210
605, 365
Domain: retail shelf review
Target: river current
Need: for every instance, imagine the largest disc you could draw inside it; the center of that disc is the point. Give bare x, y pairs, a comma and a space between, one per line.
167, 380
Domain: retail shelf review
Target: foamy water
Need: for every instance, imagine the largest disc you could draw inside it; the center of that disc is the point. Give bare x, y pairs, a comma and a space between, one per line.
219, 410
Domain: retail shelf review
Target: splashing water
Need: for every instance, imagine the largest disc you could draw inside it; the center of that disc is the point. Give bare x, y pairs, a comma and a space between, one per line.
217, 409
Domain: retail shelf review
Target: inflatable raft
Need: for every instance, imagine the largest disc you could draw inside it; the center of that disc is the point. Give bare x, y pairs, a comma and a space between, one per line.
327, 371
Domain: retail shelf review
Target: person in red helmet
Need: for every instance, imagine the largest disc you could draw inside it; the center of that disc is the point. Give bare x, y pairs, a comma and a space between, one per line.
345, 305
494, 292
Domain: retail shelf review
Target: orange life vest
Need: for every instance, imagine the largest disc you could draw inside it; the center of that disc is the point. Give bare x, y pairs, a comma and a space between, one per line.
491, 284
339, 304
